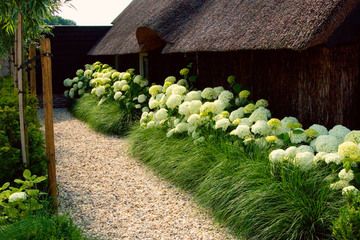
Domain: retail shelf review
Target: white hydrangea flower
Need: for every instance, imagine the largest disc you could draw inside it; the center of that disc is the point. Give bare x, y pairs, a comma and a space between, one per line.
291, 152
339, 185
304, 148
332, 158
353, 136
260, 127
18, 196
347, 175
297, 138
238, 113
320, 157
137, 106
173, 101
195, 106
138, 79
181, 127
320, 129
194, 119
218, 90
304, 160
245, 121
99, 91
262, 103
277, 155
241, 131
155, 89
193, 95
223, 123
226, 96
208, 94
153, 103
349, 150
161, 115
118, 85
286, 121
326, 143
219, 106
176, 89
170, 79
339, 132
150, 124
349, 189
260, 113
145, 109
184, 108
117, 96
142, 98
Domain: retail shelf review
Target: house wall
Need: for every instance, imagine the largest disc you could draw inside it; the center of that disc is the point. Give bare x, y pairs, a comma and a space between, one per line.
318, 85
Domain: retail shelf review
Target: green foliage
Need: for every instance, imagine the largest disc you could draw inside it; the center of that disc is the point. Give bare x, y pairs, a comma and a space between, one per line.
107, 118
42, 227
18, 203
241, 187
57, 20
10, 145
347, 225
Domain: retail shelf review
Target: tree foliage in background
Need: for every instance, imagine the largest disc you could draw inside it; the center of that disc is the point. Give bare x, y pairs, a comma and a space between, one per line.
35, 13
57, 20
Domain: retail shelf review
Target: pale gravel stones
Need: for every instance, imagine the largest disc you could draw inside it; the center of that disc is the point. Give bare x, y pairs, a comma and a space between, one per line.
113, 196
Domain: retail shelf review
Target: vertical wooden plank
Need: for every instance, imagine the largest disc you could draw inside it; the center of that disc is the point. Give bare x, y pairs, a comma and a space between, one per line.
45, 49
32, 55
19, 74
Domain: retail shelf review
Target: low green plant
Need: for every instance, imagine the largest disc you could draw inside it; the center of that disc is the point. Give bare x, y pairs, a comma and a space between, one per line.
42, 227
241, 187
347, 225
19, 202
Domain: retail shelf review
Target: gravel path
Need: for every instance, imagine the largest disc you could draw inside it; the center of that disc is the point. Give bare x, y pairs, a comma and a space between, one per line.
113, 196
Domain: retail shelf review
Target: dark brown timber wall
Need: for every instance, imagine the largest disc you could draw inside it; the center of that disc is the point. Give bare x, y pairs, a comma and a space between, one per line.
318, 85
70, 45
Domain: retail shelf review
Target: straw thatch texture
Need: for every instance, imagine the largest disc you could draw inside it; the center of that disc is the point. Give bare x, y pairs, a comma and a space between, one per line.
200, 25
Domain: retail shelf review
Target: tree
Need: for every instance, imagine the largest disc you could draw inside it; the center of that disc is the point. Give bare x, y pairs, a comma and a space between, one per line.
57, 20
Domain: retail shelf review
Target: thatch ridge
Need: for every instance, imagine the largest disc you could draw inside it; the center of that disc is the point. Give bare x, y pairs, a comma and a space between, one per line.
227, 25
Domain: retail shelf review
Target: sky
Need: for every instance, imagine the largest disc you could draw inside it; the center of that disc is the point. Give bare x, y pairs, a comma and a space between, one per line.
93, 12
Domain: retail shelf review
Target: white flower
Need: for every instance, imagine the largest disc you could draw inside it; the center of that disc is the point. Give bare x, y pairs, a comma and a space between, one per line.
137, 106
18, 196
238, 113
288, 121
260, 114
226, 96
153, 103
261, 128
304, 148
117, 95
277, 155
339, 132
145, 109
155, 89
195, 106
218, 90
193, 95
194, 119
320, 129
161, 115
326, 143
339, 185
142, 98
291, 152
99, 91
170, 79
173, 101
245, 121
320, 157
346, 175
219, 106
296, 138
223, 124
150, 124
262, 103
241, 131
304, 160
332, 158
176, 90
350, 151
349, 189
208, 93
138, 79
118, 85
353, 136
181, 127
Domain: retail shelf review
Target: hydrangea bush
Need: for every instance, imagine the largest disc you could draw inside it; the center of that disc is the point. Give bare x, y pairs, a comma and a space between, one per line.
108, 84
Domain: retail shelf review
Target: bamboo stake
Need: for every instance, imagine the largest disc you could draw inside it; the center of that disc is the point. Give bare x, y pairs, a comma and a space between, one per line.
45, 49
19, 74
32, 55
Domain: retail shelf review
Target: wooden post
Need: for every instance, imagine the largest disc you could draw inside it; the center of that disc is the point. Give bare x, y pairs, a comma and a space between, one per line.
45, 50
32, 65
19, 77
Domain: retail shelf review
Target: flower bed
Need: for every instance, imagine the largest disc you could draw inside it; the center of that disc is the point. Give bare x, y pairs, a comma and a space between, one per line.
285, 181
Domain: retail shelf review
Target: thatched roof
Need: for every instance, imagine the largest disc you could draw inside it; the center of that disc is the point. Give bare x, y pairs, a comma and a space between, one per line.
223, 25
